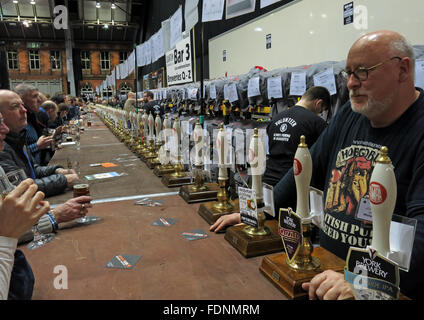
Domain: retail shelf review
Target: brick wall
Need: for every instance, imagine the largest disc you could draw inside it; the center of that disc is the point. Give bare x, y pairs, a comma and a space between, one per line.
95, 76
24, 73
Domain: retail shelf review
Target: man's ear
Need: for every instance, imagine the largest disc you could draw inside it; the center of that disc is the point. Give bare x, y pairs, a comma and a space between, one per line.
405, 69
319, 104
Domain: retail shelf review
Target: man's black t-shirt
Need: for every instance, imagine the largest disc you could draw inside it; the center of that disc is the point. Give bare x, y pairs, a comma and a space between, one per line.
154, 107
284, 136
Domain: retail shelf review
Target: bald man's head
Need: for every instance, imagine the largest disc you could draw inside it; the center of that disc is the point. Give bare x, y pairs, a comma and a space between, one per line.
383, 42
13, 110
386, 86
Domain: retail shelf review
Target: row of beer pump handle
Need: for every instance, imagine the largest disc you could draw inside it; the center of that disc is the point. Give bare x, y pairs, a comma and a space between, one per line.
382, 187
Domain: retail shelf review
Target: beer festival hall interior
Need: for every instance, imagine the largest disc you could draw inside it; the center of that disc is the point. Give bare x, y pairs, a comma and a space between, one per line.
211, 158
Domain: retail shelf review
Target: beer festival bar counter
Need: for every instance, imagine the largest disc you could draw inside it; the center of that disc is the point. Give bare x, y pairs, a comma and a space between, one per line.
99, 146
77, 263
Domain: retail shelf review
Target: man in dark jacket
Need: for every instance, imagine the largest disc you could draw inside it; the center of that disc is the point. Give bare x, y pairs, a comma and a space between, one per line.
35, 139
51, 180
21, 276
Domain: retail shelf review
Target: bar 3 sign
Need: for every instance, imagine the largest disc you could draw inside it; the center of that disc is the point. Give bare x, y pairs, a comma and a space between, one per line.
178, 63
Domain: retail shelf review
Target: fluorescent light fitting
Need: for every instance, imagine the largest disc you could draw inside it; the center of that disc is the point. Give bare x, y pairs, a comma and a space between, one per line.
32, 2
113, 6
15, 1
97, 4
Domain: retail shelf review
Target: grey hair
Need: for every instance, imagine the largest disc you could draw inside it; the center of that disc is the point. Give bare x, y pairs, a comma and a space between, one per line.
23, 88
403, 47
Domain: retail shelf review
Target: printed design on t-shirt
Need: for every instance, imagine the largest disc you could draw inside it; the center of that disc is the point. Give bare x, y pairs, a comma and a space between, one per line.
283, 125
350, 179
156, 109
348, 185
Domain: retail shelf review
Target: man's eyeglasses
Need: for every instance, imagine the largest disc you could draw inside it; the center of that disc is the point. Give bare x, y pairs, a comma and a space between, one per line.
361, 73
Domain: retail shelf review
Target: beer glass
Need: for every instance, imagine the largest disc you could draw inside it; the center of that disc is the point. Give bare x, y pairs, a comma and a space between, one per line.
83, 189
40, 239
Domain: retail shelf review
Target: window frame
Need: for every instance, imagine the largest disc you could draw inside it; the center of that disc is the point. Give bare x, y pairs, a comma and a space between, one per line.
85, 60
34, 58
57, 60
123, 56
104, 60
12, 60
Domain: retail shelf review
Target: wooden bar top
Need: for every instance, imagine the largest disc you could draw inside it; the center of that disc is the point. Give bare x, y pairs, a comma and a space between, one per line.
170, 267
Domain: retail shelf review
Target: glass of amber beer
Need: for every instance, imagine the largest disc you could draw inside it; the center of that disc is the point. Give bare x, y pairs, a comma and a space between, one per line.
83, 189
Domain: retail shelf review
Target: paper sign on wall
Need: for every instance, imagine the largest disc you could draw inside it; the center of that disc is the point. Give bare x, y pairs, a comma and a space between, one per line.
297, 83
274, 87
326, 79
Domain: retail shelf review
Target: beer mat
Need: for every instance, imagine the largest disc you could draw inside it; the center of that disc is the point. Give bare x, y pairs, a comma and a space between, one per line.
132, 158
102, 175
69, 143
195, 234
149, 202
95, 165
108, 164
123, 261
164, 222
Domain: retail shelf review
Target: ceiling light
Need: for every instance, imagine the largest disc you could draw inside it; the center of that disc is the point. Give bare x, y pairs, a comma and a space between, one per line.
26, 23
32, 2
113, 6
15, 1
106, 26
97, 4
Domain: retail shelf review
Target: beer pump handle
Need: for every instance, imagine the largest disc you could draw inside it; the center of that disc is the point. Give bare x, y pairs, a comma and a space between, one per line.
151, 125
158, 125
302, 168
220, 143
198, 143
176, 128
256, 164
382, 195
166, 123
144, 123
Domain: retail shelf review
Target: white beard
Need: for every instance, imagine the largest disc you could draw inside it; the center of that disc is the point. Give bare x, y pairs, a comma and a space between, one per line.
373, 107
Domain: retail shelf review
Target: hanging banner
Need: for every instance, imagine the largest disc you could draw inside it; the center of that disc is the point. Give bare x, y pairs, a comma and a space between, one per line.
178, 63
176, 27
265, 3
238, 7
212, 10
191, 14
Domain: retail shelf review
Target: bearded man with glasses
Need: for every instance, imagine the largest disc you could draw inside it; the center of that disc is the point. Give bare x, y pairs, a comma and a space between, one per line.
385, 109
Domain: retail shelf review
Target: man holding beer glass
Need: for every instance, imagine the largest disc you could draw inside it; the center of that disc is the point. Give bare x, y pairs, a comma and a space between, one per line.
51, 180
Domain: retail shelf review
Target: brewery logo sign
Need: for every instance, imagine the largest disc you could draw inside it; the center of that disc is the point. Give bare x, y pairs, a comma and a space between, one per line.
371, 275
290, 230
